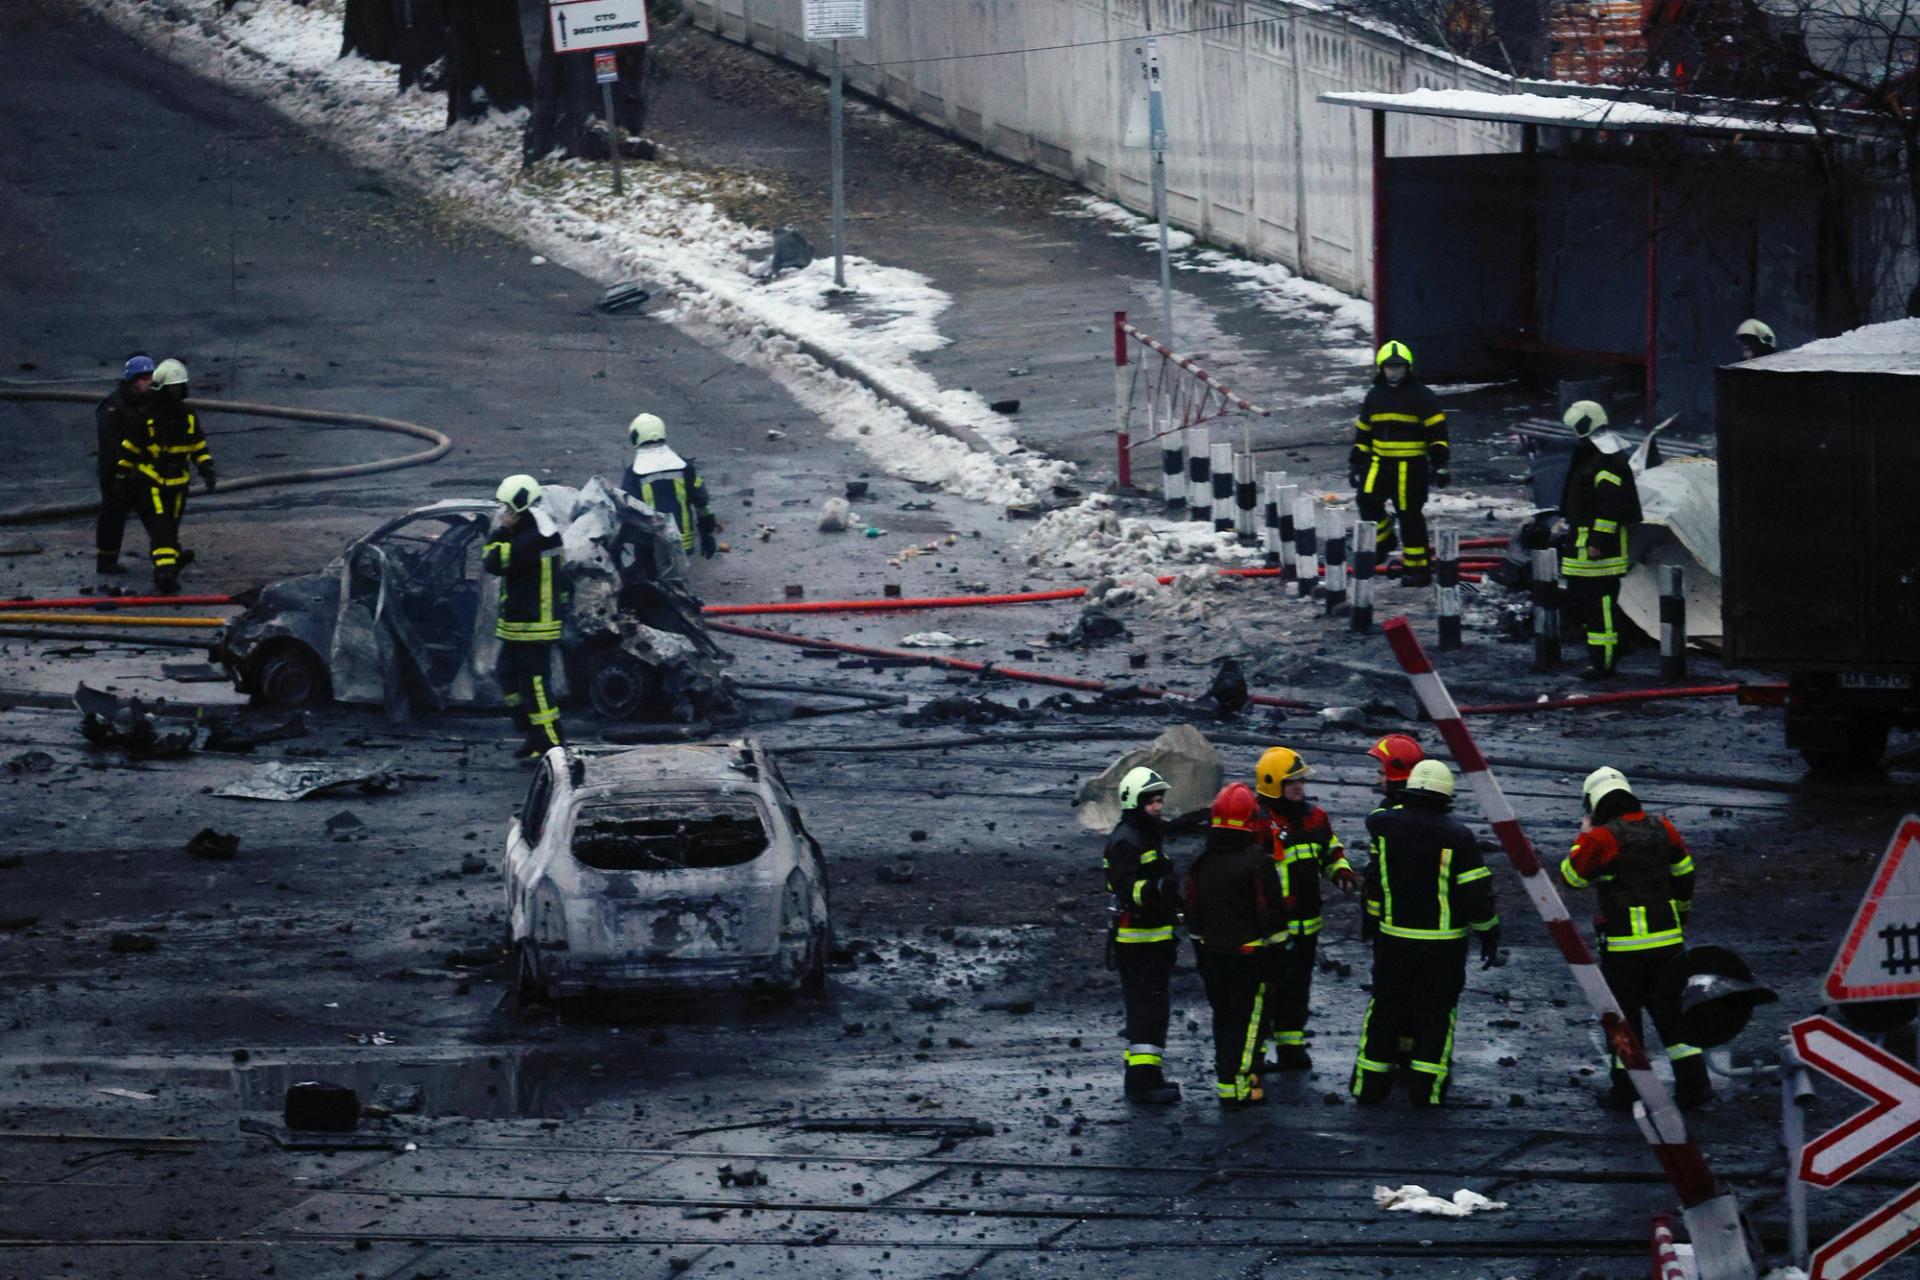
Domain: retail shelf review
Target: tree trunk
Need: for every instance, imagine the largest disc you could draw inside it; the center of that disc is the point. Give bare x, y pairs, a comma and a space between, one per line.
1521, 27
412, 33
567, 113
486, 59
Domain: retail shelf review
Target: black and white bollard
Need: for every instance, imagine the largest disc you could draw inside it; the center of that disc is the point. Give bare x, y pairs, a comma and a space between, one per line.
1199, 474
1306, 546
1333, 531
1446, 572
1673, 623
1223, 476
1365, 542
1173, 473
1246, 504
1270, 485
1546, 609
1285, 499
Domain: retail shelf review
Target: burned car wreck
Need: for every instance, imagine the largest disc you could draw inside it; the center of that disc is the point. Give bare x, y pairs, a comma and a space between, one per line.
682, 867
404, 618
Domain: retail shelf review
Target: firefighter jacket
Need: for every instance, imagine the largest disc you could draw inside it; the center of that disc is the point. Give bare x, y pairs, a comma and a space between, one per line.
115, 419
1142, 880
1233, 894
1640, 867
1602, 504
160, 440
1427, 882
527, 558
1398, 424
672, 486
1306, 850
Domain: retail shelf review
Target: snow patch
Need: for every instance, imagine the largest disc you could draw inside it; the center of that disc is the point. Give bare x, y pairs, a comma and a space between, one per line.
1416, 1199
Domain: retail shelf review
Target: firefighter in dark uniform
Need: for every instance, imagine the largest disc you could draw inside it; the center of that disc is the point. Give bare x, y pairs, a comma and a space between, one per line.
1146, 897
1640, 867
1304, 848
525, 552
1399, 446
1397, 754
114, 419
1426, 891
1601, 505
1234, 911
160, 448
669, 484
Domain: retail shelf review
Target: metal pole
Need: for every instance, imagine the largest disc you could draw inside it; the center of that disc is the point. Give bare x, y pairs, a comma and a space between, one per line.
1796, 1090
1245, 498
1271, 484
839, 176
1223, 513
1306, 546
1365, 544
1199, 474
1546, 609
1122, 383
1333, 532
1157, 130
613, 137
1673, 623
1446, 564
1289, 567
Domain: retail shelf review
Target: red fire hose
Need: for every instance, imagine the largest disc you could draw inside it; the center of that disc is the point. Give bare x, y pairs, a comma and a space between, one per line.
113, 602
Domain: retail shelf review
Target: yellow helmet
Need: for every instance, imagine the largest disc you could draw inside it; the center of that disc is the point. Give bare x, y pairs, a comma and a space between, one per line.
518, 492
1585, 417
1277, 767
646, 428
1393, 351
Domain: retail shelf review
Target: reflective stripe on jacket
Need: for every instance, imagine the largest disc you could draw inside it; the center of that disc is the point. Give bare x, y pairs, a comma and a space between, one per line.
1641, 870
532, 592
1142, 880
1306, 850
1427, 881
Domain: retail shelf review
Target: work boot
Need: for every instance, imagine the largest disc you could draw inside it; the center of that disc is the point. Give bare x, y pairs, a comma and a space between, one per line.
108, 564
1256, 1097
1292, 1057
166, 582
1692, 1086
186, 558
1617, 1096
1417, 578
1149, 1087
1597, 675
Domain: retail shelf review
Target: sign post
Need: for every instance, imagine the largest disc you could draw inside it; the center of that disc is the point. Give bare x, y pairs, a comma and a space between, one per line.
1157, 139
837, 20
597, 26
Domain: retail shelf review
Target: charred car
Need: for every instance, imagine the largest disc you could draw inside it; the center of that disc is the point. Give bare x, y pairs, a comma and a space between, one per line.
672, 868
404, 617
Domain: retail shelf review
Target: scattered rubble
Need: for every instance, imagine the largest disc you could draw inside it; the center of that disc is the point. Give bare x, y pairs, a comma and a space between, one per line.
214, 846
107, 721
1416, 1199
1182, 755
285, 780
30, 762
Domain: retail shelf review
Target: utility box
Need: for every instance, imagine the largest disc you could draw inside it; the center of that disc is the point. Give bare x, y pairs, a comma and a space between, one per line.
1819, 448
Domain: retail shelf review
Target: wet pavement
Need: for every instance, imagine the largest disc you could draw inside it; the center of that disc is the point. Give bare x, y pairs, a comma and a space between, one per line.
951, 1107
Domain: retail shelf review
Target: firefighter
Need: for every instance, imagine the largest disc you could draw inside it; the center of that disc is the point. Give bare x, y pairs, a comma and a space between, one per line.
115, 419
1234, 912
669, 484
1639, 866
1146, 897
1304, 848
162, 446
1399, 445
1755, 338
1397, 754
1426, 891
524, 550
1601, 505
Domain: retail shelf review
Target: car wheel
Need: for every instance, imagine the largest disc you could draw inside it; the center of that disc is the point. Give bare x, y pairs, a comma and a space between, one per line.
620, 686
291, 676
528, 990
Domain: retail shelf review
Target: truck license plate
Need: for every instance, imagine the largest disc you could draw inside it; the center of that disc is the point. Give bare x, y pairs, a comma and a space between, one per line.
1876, 680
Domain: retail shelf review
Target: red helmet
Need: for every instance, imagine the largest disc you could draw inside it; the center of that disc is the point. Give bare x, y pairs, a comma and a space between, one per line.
1236, 807
1397, 754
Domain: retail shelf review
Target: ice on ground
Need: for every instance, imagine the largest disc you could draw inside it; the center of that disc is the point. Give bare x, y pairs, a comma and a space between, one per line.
1092, 539
939, 640
1417, 1199
1130, 223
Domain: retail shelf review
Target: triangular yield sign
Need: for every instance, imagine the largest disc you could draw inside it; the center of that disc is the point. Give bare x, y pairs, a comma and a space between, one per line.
1880, 958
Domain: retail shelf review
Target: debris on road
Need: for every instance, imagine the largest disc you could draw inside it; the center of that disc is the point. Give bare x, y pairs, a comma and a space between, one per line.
939, 640
1182, 755
625, 296
1417, 1199
835, 514
317, 1106
240, 734
107, 721
214, 846
974, 711
131, 1095
30, 762
284, 780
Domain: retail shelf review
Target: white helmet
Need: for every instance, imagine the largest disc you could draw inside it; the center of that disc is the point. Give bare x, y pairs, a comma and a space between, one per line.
1585, 417
170, 373
1601, 783
1758, 330
1140, 783
646, 428
1432, 777
518, 492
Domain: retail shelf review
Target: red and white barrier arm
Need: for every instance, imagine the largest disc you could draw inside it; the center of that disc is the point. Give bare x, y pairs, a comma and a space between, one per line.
1718, 1241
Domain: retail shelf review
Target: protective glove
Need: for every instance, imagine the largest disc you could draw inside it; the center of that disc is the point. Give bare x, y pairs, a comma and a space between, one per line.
1490, 948
1354, 480
212, 480
1441, 477
1344, 877
709, 545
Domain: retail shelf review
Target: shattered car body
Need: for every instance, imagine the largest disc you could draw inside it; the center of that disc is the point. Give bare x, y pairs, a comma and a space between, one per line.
405, 616
663, 868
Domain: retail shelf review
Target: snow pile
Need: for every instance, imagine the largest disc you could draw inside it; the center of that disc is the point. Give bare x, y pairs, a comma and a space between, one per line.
667, 228
1130, 223
1416, 1199
1892, 347
1092, 539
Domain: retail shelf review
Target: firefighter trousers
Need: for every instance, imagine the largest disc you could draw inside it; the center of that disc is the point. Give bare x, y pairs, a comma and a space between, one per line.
1598, 600
1416, 985
1289, 983
1146, 971
1402, 482
1236, 988
110, 529
525, 671
1633, 976
160, 508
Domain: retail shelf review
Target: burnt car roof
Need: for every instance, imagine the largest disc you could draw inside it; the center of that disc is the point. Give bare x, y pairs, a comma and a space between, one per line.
700, 765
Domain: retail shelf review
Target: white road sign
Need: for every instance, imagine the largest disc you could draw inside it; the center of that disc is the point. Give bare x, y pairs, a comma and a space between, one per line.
1872, 1242
835, 19
596, 24
1880, 957
1892, 1085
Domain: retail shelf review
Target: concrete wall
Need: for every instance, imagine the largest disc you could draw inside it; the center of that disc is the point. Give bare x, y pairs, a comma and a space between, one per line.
1256, 162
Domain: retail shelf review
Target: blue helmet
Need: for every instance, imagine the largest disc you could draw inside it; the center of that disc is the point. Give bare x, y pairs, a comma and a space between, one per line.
136, 366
